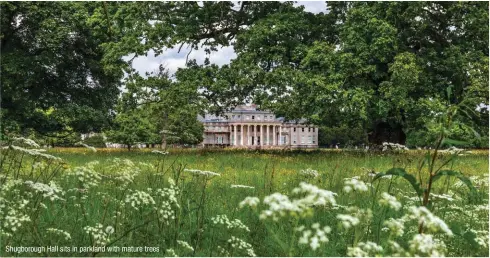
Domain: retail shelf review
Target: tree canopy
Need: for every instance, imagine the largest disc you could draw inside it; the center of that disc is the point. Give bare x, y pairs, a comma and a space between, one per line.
363, 65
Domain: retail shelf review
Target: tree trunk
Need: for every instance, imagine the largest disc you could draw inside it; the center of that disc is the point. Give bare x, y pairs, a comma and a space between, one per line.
129, 147
164, 141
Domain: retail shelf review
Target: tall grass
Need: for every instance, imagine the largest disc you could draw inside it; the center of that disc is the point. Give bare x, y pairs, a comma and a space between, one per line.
151, 200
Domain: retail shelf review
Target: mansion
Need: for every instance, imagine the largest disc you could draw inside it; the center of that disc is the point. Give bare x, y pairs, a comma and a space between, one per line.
247, 127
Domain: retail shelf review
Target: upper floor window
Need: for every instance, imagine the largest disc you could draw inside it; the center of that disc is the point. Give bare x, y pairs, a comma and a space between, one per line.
303, 129
238, 116
270, 117
294, 129
233, 116
253, 117
313, 131
309, 129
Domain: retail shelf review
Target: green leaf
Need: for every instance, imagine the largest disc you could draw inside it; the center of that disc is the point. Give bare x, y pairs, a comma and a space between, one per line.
456, 174
401, 172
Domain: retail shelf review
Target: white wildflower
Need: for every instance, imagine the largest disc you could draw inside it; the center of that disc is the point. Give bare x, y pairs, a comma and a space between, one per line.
354, 184
431, 222
160, 152
390, 201
51, 191
241, 245
309, 173
396, 226
185, 245
198, 172
314, 236
87, 176
65, 234
426, 245
249, 201
230, 224
387, 146
139, 199
26, 141
98, 234
364, 249
170, 253
348, 221
109, 230
242, 186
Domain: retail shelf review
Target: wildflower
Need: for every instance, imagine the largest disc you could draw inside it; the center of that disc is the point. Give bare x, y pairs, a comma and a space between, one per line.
26, 141
98, 234
309, 173
51, 191
167, 201
66, 235
87, 146
431, 222
280, 205
390, 201
109, 230
242, 186
223, 220
348, 221
249, 201
87, 176
185, 245
198, 172
354, 184
139, 199
241, 245
314, 239
364, 249
426, 245
445, 197
171, 253
395, 225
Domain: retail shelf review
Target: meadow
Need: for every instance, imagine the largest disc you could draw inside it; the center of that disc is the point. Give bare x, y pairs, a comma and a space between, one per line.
241, 203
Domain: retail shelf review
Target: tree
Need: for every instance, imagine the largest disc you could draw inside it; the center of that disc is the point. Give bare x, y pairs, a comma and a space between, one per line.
130, 128
52, 63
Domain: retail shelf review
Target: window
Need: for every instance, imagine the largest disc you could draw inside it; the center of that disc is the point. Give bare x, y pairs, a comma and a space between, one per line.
310, 139
309, 129
219, 139
233, 116
270, 117
313, 140
253, 117
302, 139
247, 117
238, 116
303, 129
313, 129
294, 130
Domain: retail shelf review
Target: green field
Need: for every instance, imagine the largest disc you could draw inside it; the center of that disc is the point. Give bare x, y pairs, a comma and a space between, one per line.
108, 193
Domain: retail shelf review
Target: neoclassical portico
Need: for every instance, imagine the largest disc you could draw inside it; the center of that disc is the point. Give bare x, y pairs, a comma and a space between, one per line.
247, 127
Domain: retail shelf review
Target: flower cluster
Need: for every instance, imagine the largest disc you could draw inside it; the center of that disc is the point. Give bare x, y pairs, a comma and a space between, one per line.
430, 222
56, 231
355, 217
230, 224
242, 186
34, 153
123, 171
51, 191
198, 172
280, 205
99, 236
167, 201
87, 176
92, 149
396, 226
313, 239
426, 245
354, 184
139, 199
454, 151
365, 249
241, 245
309, 173
390, 201
25, 141
249, 201
185, 245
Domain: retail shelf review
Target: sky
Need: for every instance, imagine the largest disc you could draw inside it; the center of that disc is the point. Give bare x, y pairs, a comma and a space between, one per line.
173, 60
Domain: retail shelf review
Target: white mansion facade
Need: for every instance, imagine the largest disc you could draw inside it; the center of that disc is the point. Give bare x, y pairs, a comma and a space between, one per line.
247, 127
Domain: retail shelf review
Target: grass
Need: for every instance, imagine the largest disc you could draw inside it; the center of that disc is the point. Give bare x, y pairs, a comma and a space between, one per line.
268, 172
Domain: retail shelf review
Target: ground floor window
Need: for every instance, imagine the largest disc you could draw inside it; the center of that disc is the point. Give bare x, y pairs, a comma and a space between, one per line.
219, 139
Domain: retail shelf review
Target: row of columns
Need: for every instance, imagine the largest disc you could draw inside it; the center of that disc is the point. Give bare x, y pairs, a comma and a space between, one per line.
254, 139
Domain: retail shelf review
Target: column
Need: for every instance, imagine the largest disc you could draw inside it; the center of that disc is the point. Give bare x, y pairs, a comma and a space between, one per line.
235, 142
268, 135
241, 133
273, 135
248, 134
261, 135
280, 135
255, 135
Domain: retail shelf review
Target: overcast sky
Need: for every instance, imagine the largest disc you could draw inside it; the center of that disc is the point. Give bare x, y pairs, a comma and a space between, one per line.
173, 60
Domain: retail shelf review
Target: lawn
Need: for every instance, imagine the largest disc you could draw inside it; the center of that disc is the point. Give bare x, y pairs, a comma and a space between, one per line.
115, 204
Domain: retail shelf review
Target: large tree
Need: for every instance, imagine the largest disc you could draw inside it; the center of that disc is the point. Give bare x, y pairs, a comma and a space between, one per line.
52, 76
